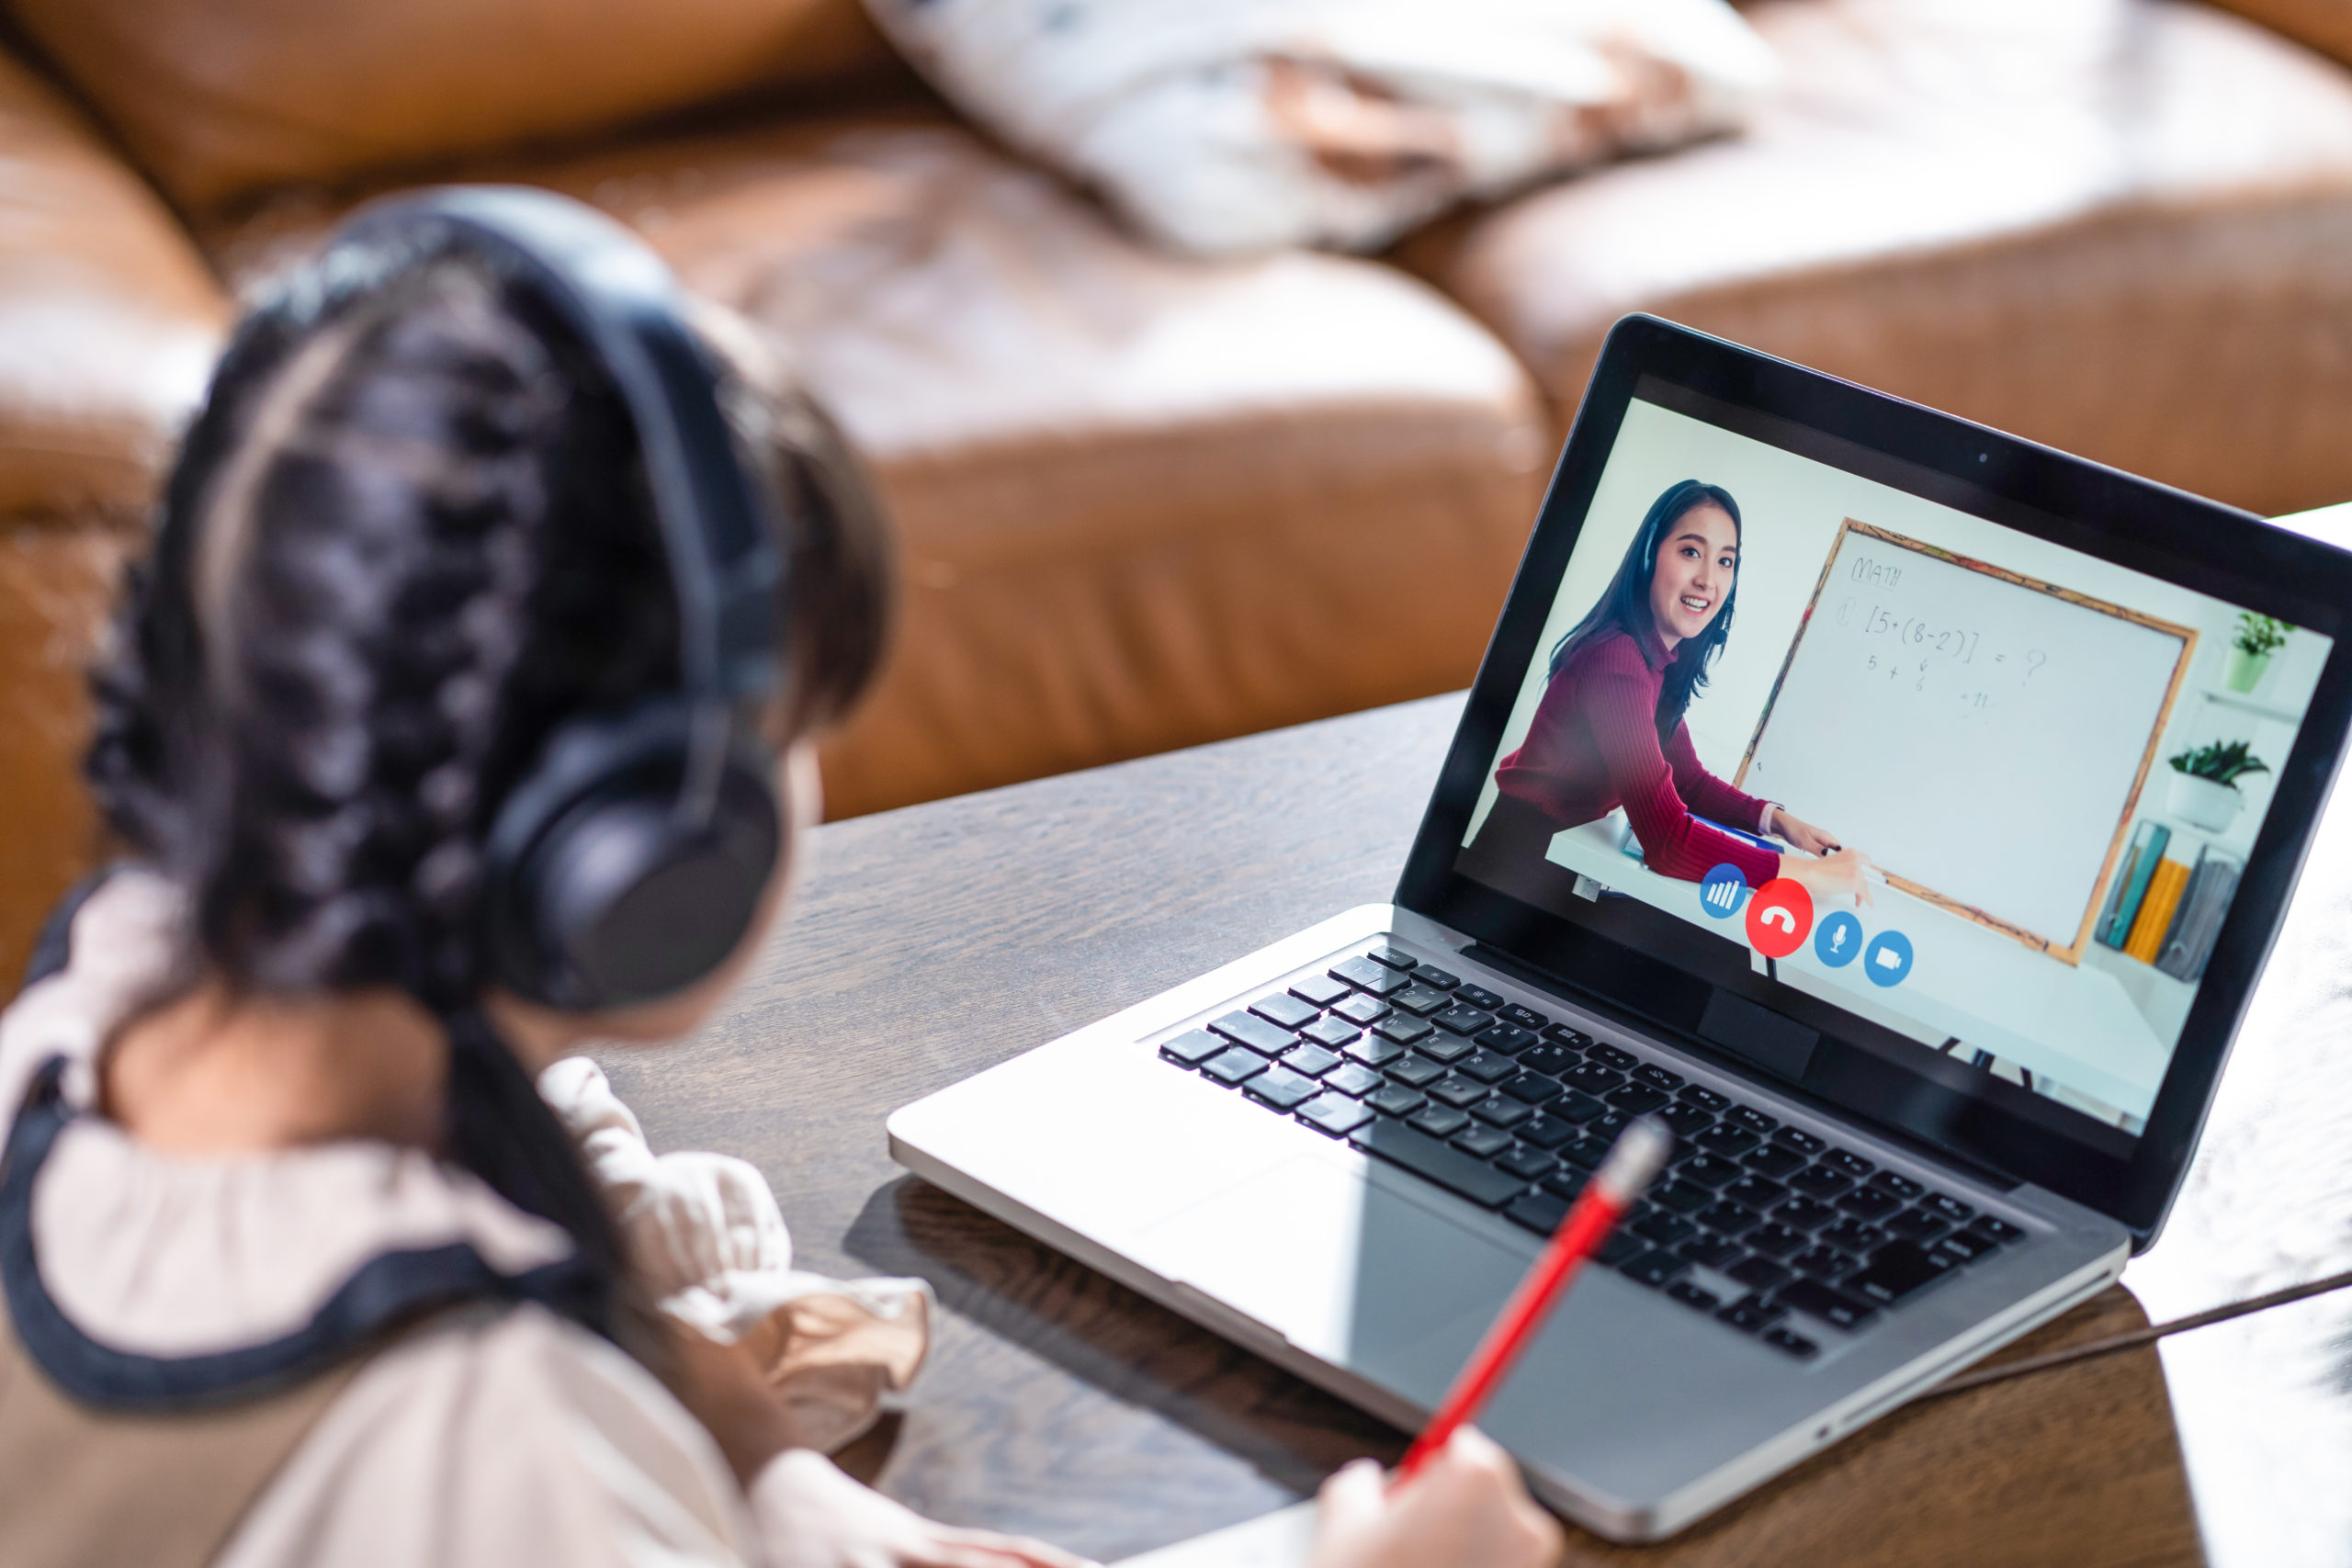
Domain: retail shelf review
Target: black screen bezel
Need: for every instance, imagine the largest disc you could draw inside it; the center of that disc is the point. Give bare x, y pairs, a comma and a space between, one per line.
2081, 505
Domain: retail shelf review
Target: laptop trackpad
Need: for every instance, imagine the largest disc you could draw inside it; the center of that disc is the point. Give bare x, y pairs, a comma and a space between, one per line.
1342, 1265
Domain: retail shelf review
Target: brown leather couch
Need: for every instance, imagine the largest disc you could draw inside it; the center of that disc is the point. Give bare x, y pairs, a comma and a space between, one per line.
1146, 501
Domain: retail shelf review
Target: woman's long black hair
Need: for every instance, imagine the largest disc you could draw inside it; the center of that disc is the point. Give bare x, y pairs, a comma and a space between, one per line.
1624, 604
406, 539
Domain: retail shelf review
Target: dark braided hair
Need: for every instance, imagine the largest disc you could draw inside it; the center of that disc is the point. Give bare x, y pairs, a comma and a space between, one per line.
407, 537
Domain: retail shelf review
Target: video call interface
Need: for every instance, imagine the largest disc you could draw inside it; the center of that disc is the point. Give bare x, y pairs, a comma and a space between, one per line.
1990, 794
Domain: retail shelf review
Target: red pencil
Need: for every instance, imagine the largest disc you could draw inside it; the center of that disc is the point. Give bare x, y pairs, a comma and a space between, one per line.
1640, 1151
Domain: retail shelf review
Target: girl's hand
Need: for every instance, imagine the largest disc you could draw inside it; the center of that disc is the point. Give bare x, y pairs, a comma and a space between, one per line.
812, 1515
1842, 873
1465, 1509
1800, 834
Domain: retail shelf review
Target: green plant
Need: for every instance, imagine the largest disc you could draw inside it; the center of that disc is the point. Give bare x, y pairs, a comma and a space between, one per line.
2259, 635
2224, 764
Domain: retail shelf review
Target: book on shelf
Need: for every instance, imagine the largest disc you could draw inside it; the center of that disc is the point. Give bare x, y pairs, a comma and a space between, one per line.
2189, 943
2166, 885
2130, 885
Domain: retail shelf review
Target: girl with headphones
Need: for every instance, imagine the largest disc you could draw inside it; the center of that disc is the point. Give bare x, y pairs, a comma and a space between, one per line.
464, 714
1609, 731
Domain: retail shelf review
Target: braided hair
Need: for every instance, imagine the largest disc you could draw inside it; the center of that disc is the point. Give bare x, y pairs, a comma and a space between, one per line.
407, 537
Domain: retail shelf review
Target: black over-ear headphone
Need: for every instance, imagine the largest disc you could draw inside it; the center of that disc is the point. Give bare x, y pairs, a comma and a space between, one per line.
630, 861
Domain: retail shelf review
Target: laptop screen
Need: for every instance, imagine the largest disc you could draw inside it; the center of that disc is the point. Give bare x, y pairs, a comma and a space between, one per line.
1986, 793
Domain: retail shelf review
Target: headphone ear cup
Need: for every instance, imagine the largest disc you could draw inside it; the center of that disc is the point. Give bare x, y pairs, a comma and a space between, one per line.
601, 895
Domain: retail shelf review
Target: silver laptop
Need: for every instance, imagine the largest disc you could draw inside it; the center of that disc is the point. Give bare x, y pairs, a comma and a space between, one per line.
1902, 812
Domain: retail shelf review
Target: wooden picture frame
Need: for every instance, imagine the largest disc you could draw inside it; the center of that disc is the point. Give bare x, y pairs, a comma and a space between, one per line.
2068, 951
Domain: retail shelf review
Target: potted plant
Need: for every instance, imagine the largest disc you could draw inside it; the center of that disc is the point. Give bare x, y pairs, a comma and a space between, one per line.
2205, 783
2258, 637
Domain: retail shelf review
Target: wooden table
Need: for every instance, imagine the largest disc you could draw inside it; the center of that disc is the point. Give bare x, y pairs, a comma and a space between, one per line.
930, 942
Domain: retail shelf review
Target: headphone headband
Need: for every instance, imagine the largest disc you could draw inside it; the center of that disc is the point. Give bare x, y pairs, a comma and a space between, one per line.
610, 288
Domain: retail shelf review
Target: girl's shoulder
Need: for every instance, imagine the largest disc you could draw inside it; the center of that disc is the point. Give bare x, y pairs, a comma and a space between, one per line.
1611, 651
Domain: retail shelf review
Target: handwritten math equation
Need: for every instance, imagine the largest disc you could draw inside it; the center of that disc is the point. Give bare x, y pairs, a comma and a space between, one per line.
1942, 661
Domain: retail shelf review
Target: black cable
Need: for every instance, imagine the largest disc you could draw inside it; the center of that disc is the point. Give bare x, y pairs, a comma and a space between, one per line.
2138, 1337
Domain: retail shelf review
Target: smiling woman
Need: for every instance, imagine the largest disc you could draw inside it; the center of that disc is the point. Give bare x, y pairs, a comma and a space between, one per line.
1609, 729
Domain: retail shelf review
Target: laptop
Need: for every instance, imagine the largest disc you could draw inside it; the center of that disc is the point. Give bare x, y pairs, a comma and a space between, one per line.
1925, 920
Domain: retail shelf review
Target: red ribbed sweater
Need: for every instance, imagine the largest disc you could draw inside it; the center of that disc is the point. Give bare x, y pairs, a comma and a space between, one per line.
1593, 746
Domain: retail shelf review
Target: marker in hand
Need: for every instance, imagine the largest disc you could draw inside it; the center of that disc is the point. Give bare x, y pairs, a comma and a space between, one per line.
1632, 1164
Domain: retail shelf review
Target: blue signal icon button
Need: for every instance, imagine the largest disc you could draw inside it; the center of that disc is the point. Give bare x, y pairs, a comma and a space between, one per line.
1722, 890
1837, 941
1887, 959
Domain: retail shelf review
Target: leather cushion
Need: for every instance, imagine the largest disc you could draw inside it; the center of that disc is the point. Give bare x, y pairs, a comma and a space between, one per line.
2116, 226
218, 97
1142, 501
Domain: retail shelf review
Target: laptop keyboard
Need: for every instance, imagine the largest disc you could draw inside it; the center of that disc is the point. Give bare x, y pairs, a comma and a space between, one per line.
1767, 1228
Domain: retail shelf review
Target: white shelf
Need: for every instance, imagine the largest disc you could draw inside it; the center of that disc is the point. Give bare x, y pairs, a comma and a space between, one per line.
2245, 704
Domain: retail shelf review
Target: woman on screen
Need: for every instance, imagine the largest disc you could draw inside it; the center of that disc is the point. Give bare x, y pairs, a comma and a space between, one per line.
1609, 730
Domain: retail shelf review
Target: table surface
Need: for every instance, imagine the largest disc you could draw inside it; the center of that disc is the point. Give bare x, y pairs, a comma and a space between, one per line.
930, 942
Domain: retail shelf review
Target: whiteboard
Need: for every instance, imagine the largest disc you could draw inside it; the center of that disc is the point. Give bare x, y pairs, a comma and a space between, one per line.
1982, 736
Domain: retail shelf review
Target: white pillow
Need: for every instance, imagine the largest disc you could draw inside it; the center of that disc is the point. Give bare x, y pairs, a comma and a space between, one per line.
1221, 126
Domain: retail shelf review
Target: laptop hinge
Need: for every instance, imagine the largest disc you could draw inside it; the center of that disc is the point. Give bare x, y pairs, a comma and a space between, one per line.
1757, 1062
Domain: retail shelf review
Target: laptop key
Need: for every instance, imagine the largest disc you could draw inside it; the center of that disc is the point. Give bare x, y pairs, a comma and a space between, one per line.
1193, 1047
1539, 1211
1728, 1218
1282, 1089
1499, 1111
1436, 979
1634, 1099
1284, 1009
1248, 1029
1702, 1097
1685, 1119
1755, 1192
1951, 1209
1757, 1273
1682, 1198
1577, 1108
1438, 1121
1320, 989
1354, 1079
1394, 1100
1914, 1224
1399, 1144
1869, 1204
1995, 1229
1709, 1250
1444, 1048
1824, 1262
1508, 1039
1391, 957
1657, 1076
1689, 1294
1458, 1092
1797, 1138
1478, 996
1483, 1142
1574, 1039
1747, 1116
1902, 1186
1487, 1067
1708, 1170
1547, 1058
1333, 1031
1374, 1051
1796, 1344
1333, 1115
1402, 1030
1459, 1020
1360, 1009
1415, 1072
1657, 1269
1774, 1240
1772, 1160
1524, 1017
1234, 1066
1420, 1001
1805, 1214
1897, 1270
1567, 1182
1751, 1315
1528, 1164
1609, 1123
1546, 1133
1367, 975
1847, 1162
1312, 1060
1963, 1246
1834, 1307
1664, 1229
1533, 1088
1591, 1077
1618, 1248
1819, 1182
1724, 1139
1610, 1056
1854, 1237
